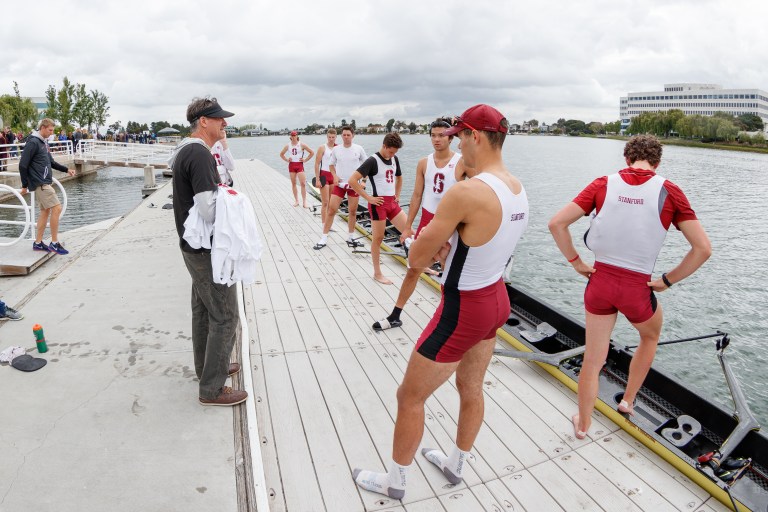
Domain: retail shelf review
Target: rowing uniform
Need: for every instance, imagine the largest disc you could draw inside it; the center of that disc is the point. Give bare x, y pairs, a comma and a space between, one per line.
634, 209
225, 164
436, 182
346, 161
325, 163
295, 158
382, 174
474, 301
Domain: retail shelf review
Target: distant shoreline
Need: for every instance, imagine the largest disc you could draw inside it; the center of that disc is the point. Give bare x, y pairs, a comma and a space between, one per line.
696, 144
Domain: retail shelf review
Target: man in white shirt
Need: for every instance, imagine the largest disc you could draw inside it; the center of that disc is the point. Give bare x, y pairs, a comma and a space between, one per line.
345, 160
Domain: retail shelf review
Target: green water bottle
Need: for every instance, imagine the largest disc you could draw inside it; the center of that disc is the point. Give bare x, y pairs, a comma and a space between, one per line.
37, 329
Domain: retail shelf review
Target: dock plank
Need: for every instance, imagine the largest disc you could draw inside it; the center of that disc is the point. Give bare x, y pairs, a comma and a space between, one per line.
301, 492
326, 385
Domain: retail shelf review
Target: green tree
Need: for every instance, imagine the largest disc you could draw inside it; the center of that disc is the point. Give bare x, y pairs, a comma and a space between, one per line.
595, 127
17, 112
751, 122
412, 126
613, 127
156, 126
343, 122
575, 127
533, 123
390, 123
353, 125
82, 111
100, 105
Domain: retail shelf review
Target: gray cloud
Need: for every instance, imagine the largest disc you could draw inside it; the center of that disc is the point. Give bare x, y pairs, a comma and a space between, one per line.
289, 64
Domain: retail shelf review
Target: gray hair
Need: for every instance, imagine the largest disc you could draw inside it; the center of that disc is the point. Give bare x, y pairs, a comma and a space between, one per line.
193, 110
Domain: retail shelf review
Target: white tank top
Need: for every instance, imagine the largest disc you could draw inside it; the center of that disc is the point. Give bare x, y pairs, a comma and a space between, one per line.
295, 153
326, 161
438, 181
383, 182
347, 160
627, 232
472, 268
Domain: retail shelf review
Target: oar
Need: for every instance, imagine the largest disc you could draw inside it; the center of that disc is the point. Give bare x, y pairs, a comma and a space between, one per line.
558, 357
671, 342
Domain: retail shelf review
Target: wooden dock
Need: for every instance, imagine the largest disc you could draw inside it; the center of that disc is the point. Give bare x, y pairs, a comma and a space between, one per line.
325, 387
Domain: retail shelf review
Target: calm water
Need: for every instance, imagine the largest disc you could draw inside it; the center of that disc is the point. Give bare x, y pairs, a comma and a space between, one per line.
726, 189
728, 293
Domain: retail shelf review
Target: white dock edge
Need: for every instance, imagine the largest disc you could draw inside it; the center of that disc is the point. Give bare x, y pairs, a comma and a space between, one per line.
257, 462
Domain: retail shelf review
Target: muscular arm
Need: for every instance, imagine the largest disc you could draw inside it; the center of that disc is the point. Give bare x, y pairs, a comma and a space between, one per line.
701, 250
558, 226
311, 153
354, 183
418, 192
319, 160
282, 153
451, 211
462, 171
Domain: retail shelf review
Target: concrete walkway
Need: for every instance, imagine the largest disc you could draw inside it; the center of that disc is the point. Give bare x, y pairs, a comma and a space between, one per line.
112, 422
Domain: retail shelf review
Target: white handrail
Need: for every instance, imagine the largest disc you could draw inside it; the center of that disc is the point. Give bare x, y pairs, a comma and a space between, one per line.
29, 209
125, 152
11, 153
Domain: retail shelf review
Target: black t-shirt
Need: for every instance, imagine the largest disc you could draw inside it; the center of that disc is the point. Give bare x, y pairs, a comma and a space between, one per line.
194, 171
370, 169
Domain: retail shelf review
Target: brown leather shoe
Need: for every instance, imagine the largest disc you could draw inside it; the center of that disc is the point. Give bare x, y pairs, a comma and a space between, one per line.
228, 396
233, 368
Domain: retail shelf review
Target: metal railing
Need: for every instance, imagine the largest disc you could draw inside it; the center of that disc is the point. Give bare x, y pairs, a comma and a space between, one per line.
29, 221
11, 153
115, 153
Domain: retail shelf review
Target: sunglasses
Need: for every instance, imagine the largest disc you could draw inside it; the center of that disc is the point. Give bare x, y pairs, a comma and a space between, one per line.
443, 122
456, 121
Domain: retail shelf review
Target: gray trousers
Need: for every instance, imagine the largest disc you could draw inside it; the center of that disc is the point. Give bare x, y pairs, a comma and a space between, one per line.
215, 324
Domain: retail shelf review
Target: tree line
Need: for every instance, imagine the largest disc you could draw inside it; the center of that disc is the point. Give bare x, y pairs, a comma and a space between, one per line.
17, 112
721, 126
71, 103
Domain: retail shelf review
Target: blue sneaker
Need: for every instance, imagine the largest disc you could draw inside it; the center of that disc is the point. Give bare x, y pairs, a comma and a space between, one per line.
40, 246
11, 314
57, 248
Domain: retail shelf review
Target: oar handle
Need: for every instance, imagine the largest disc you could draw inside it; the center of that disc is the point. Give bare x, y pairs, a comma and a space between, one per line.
682, 340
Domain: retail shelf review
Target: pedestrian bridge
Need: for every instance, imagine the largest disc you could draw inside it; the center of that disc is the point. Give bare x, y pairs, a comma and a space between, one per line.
125, 154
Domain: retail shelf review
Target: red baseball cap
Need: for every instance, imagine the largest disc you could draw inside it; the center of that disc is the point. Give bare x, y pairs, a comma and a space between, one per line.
294, 133
481, 117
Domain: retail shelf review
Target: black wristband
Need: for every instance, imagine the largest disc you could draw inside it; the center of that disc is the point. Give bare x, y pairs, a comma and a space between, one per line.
666, 281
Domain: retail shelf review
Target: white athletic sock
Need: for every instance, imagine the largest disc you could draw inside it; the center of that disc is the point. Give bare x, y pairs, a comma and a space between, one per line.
452, 466
323, 239
351, 236
390, 484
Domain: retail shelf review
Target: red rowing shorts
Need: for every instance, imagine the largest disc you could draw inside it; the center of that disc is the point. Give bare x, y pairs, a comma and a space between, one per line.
343, 191
463, 319
426, 216
295, 166
388, 209
328, 177
614, 289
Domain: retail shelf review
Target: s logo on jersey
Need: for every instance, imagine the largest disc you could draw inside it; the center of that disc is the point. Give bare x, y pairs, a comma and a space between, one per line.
439, 183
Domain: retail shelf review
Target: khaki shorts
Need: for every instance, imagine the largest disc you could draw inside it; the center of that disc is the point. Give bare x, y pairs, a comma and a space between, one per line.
46, 197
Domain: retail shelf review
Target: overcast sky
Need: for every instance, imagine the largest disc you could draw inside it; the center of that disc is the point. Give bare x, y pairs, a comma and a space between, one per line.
289, 63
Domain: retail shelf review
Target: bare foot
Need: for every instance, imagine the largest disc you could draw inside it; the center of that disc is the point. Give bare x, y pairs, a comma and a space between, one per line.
306, 205
382, 279
580, 434
431, 272
296, 204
